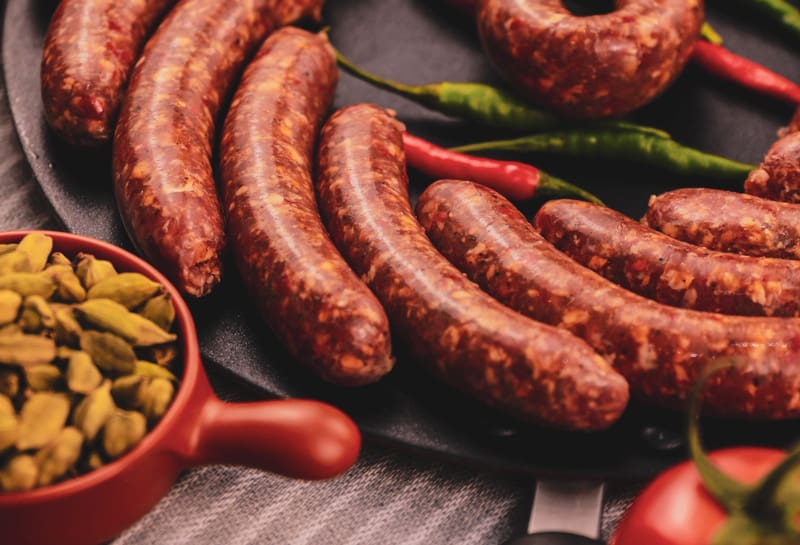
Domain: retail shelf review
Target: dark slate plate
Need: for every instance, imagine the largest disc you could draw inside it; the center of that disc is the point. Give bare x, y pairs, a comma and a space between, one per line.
419, 41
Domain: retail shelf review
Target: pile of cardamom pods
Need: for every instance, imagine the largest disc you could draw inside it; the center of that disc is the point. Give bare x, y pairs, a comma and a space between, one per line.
86, 362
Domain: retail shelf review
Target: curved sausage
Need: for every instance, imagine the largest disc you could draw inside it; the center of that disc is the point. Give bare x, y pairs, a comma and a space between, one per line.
595, 66
471, 341
669, 271
728, 222
89, 51
778, 176
659, 349
163, 142
325, 316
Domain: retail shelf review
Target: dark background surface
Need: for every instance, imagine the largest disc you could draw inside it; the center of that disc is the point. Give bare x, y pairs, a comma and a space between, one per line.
420, 42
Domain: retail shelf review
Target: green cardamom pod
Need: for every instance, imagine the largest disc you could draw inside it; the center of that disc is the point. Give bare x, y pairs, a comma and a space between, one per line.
10, 303
91, 270
158, 394
26, 350
42, 377
41, 419
40, 306
28, 284
6, 406
59, 456
68, 285
160, 311
30, 321
163, 355
9, 382
127, 289
8, 431
15, 262
128, 391
19, 474
68, 330
94, 410
6, 248
82, 375
122, 432
57, 258
152, 370
113, 317
109, 352
37, 246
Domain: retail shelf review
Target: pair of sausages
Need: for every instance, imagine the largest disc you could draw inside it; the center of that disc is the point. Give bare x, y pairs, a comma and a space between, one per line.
162, 149
661, 350
471, 341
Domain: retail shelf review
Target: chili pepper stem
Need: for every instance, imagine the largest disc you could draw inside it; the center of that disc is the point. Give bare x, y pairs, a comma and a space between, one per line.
708, 33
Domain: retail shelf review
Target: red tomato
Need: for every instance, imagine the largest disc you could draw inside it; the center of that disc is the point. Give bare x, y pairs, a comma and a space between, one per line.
676, 509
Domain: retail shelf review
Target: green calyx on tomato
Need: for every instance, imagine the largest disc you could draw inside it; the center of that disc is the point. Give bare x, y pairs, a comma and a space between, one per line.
732, 496
761, 514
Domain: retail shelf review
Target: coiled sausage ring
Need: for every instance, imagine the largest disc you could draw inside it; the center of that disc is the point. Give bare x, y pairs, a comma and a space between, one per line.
594, 66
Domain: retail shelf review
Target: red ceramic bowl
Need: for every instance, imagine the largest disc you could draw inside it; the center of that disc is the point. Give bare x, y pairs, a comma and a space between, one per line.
297, 438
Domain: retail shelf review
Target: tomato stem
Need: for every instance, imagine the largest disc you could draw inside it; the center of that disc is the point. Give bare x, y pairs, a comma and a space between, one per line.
730, 493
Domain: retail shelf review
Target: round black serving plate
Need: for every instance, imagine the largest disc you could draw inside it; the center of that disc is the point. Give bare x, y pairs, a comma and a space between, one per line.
418, 41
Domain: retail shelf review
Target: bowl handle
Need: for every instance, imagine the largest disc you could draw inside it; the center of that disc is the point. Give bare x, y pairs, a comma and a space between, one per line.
297, 438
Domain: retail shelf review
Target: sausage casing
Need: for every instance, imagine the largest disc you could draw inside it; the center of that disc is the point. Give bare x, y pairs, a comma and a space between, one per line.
726, 221
667, 270
89, 52
471, 341
163, 176
325, 316
778, 176
661, 350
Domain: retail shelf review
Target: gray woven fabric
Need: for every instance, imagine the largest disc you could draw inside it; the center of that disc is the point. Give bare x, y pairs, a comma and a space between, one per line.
387, 498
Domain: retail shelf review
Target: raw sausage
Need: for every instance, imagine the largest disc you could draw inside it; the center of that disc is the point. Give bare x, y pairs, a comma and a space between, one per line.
728, 222
471, 341
594, 66
325, 316
163, 142
658, 348
667, 270
89, 51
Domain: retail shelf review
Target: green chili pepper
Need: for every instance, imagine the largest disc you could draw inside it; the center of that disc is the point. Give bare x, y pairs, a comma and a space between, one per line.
483, 104
611, 144
780, 11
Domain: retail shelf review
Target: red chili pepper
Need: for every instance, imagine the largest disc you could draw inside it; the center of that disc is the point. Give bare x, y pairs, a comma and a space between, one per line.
516, 181
728, 65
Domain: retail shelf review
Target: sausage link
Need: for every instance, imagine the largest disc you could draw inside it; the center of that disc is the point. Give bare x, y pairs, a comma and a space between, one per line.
325, 316
89, 51
163, 142
778, 176
728, 222
595, 66
661, 350
667, 270
474, 343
